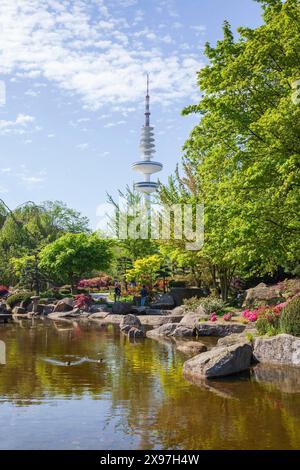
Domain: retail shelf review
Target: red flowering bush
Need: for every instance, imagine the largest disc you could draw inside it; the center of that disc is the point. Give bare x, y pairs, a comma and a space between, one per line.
95, 282
83, 301
213, 317
3, 291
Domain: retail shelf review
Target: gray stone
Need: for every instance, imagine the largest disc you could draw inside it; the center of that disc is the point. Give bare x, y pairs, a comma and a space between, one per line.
121, 308
233, 339
280, 349
164, 301
184, 331
191, 348
49, 308
220, 361
64, 305
219, 329
134, 333
192, 319
179, 311
262, 295
130, 321
18, 310
164, 330
181, 293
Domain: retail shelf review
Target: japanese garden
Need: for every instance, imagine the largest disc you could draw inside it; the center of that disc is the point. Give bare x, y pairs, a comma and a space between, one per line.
139, 342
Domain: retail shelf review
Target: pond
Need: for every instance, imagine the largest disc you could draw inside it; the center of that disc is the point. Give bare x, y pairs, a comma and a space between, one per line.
121, 395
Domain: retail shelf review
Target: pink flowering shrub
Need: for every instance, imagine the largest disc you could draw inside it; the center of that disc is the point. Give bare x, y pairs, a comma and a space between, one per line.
227, 316
213, 317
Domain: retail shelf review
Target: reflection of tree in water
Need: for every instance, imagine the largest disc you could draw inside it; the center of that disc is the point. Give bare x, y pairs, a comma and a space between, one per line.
28, 377
150, 401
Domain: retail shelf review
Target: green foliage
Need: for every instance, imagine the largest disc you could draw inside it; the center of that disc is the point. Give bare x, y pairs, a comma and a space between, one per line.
145, 270
290, 318
74, 255
209, 304
242, 159
16, 299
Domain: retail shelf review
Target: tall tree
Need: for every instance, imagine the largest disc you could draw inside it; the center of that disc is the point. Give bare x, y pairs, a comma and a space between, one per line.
244, 155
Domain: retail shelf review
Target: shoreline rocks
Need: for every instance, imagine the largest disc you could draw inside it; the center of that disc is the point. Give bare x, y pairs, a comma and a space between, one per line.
280, 349
131, 326
220, 362
219, 329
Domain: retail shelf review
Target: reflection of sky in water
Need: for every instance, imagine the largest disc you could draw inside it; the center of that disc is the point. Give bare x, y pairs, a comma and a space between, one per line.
135, 398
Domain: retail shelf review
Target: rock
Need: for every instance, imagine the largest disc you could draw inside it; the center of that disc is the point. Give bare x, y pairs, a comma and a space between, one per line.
98, 315
280, 349
191, 348
192, 319
181, 293
164, 301
135, 333
64, 305
219, 329
220, 361
99, 308
75, 313
18, 310
179, 311
131, 326
184, 331
262, 295
121, 308
130, 320
49, 308
233, 339
164, 330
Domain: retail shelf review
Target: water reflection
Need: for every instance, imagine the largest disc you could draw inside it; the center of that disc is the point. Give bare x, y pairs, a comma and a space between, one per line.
134, 398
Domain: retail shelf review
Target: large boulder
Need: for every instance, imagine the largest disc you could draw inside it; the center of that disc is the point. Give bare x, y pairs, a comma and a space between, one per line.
191, 348
219, 329
181, 293
233, 339
134, 333
184, 331
164, 301
130, 321
280, 349
64, 305
164, 330
192, 319
219, 362
262, 295
121, 308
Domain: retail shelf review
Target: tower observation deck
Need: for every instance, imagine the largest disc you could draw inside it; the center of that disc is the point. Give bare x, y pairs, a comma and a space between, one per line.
146, 166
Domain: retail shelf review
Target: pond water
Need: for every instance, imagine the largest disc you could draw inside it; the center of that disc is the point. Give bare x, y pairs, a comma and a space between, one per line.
121, 395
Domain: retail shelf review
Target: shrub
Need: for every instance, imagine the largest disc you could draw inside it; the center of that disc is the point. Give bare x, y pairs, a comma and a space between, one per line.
3, 291
209, 304
16, 299
83, 301
227, 316
290, 318
262, 326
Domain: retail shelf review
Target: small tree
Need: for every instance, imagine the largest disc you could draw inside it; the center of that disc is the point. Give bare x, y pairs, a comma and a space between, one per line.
145, 270
75, 255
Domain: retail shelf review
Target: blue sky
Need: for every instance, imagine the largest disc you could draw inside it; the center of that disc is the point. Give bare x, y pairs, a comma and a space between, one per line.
74, 73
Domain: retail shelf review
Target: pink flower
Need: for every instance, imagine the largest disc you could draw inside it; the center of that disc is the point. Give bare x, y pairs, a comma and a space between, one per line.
227, 316
252, 316
213, 317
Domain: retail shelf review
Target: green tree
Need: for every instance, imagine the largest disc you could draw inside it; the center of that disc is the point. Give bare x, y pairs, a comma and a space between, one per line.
75, 255
145, 270
242, 159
